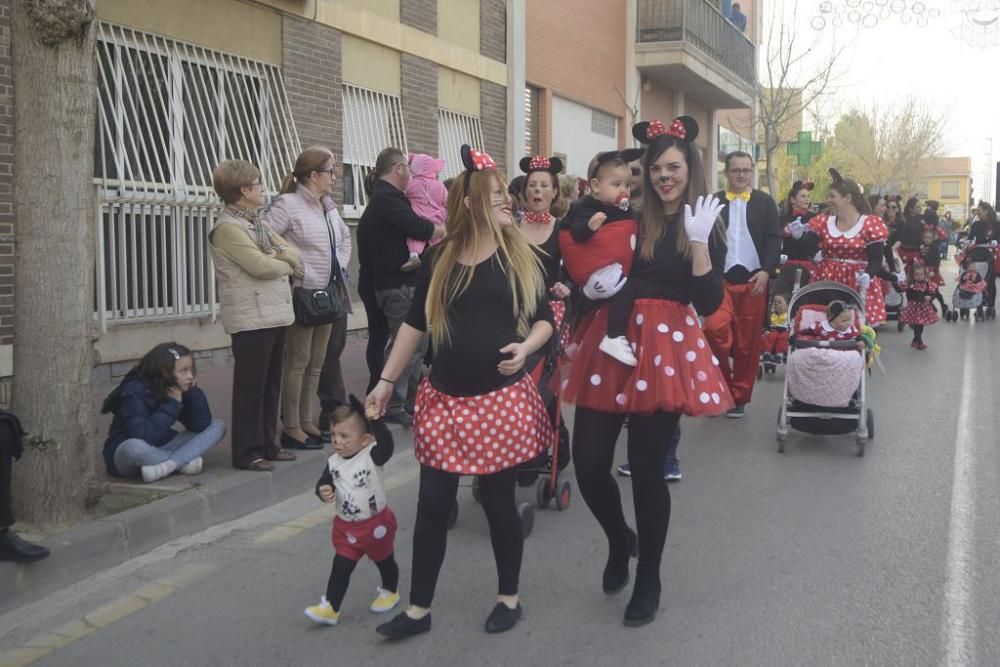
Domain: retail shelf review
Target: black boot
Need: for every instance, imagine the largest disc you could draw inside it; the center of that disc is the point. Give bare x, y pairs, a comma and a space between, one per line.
645, 602
15, 549
616, 571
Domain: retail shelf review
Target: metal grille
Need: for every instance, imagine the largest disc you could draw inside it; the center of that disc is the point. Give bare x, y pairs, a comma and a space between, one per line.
372, 121
455, 129
603, 123
168, 113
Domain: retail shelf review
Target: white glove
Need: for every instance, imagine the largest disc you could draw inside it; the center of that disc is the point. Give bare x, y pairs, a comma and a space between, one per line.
818, 257
782, 258
993, 244
604, 283
699, 223
901, 277
864, 281
796, 228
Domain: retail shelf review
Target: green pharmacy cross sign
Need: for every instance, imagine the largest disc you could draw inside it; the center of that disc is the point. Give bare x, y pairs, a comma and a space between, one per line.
805, 148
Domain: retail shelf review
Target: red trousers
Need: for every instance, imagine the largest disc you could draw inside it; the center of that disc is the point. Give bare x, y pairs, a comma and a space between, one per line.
734, 331
775, 341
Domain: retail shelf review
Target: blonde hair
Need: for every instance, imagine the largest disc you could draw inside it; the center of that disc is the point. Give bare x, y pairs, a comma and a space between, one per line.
309, 160
467, 229
231, 176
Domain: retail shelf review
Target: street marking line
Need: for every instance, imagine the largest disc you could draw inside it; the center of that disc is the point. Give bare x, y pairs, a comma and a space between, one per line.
93, 621
325, 514
958, 623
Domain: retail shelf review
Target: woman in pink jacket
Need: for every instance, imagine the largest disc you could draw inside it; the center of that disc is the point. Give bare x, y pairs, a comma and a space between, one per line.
306, 216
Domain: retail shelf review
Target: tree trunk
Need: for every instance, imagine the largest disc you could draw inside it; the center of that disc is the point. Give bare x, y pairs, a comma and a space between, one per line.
770, 148
54, 104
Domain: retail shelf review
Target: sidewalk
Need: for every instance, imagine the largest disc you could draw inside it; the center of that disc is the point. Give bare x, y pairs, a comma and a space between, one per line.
174, 507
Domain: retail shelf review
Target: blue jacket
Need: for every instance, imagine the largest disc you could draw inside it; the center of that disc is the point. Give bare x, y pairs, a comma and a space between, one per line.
137, 414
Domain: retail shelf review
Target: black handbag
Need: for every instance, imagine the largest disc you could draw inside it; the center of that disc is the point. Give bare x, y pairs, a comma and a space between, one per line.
315, 307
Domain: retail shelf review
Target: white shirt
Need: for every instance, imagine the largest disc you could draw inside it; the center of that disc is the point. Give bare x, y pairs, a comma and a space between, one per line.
357, 482
740, 250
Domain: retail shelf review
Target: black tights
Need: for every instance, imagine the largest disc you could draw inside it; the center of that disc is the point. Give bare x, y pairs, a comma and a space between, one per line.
340, 577
918, 333
594, 437
438, 490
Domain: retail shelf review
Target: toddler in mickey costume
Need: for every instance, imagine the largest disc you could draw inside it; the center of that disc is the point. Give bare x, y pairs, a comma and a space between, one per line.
598, 240
364, 524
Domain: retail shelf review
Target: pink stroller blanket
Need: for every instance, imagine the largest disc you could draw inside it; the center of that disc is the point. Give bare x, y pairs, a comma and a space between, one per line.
824, 377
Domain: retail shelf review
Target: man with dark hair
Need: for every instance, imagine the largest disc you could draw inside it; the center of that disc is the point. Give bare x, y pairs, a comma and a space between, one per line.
12, 547
753, 240
738, 18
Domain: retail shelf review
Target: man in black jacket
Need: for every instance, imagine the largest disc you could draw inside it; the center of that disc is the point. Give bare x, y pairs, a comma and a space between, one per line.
12, 547
389, 221
753, 240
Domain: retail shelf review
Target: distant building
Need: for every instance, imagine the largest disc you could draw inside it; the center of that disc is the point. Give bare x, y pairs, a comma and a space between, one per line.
948, 180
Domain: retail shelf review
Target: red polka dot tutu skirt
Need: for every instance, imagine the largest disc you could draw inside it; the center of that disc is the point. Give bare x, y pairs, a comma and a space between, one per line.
677, 371
480, 435
919, 313
559, 315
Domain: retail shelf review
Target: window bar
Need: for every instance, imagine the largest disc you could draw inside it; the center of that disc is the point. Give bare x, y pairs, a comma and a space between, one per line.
152, 151
100, 276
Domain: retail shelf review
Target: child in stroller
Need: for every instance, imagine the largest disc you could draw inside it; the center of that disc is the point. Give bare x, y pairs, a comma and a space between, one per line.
968, 294
774, 340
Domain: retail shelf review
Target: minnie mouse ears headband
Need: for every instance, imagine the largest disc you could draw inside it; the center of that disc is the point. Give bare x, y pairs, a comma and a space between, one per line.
530, 164
851, 186
474, 161
802, 185
684, 128
359, 408
835, 308
626, 156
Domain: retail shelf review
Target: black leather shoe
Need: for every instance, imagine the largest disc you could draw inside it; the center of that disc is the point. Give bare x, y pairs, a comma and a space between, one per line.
13, 548
288, 442
402, 626
616, 575
503, 618
644, 604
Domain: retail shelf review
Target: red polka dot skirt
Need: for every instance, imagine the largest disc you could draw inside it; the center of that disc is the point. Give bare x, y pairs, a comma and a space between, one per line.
677, 371
920, 312
480, 435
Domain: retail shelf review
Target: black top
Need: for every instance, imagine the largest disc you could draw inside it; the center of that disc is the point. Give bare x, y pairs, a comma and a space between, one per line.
668, 275
481, 321
910, 234
982, 232
915, 292
391, 221
796, 249
763, 225
584, 209
381, 452
366, 261
548, 253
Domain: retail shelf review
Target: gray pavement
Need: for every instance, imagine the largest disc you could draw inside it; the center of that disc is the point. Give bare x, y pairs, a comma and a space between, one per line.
814, 556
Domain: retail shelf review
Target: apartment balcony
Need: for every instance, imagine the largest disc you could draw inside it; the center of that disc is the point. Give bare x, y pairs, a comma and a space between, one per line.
689, 45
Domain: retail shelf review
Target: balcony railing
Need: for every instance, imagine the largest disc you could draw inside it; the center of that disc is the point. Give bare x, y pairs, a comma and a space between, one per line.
702, 24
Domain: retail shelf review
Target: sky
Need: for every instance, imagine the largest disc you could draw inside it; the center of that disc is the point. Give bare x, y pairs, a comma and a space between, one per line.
934, 64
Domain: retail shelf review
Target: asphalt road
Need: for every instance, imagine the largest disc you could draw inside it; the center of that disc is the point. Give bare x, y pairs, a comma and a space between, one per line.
810, 557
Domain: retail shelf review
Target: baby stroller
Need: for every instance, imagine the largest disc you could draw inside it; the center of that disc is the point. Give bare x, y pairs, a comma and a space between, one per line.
544, 471
769, 362
825, 390
893, 304
983, 257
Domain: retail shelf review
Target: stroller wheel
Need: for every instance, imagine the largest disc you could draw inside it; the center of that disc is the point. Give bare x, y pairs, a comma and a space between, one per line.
527, 513
991, 314
760, 371
453, 516
871, 424
900, 325
475, 490
542, 494
564, 493
860, 449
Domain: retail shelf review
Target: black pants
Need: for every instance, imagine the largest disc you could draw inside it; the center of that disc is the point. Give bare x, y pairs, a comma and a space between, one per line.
378, 337
594, 437
331, 390
259, 359
620, 309
6, 470
438, 490
340, 577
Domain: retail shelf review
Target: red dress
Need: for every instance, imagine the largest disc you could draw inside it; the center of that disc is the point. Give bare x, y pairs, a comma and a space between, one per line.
846, 253
919, 311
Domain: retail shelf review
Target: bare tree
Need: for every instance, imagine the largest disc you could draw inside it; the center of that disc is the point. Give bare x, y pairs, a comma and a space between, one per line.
794, 74
54, 105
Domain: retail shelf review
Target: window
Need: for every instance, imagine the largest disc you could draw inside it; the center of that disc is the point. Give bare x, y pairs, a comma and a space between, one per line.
603, 123
455, 129
372, 121
167, 113
950, 189
532, 120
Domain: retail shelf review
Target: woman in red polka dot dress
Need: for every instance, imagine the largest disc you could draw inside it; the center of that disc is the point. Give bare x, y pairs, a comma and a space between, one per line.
482, 297
680, 253
853, 243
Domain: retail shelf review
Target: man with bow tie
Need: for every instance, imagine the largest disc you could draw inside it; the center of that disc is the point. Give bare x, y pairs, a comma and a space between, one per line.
753, 240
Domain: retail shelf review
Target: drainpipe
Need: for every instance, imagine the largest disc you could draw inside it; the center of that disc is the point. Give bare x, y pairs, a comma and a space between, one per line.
516, 72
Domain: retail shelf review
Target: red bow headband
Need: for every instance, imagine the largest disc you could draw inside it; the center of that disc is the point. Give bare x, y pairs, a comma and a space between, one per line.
657, 129
683, 128
474, 161
553, 165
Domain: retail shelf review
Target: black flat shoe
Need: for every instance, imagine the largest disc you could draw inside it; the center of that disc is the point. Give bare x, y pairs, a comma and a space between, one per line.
402, 626
503, 618
644, 604
288, 442
616, 575
15, 549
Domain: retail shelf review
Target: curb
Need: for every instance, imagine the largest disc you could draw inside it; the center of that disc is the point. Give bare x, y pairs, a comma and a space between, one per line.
92, 546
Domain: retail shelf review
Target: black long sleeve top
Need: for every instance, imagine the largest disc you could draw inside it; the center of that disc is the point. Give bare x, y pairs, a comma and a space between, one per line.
381, 452
548, 254
795, 248
481, 321
584, 209
390, 221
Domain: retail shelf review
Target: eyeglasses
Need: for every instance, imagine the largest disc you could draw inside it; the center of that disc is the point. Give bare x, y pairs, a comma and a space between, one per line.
330, 171
741, 172
893, 206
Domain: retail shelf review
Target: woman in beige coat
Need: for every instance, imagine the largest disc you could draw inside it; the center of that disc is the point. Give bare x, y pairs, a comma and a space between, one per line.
252, 269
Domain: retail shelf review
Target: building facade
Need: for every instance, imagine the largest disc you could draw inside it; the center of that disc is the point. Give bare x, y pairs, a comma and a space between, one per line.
948, 180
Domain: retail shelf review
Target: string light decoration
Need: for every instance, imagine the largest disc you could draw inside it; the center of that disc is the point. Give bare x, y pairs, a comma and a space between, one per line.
979, 22
868, 14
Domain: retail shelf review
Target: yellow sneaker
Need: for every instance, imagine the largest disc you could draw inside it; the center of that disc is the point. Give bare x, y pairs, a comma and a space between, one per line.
323, 613
384, 601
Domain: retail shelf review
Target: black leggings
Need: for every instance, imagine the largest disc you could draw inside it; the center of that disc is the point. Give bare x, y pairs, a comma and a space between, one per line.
918, 333
438, 490
620, 310
340, 577
594, 437
378, 337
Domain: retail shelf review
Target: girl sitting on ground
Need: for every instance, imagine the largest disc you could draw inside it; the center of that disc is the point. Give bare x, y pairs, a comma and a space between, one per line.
158, 392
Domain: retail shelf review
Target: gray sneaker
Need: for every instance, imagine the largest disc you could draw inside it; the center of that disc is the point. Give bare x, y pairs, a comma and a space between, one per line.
737, 413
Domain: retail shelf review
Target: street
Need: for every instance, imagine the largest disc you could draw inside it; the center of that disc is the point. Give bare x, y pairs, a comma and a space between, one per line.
814, 556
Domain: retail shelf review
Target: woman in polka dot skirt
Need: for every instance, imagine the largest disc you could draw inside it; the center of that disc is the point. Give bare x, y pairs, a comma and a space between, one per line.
853, 244
482, 297
679, 259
